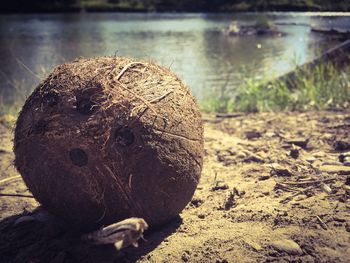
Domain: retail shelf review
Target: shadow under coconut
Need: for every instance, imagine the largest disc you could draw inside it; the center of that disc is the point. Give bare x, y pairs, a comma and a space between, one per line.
26, 240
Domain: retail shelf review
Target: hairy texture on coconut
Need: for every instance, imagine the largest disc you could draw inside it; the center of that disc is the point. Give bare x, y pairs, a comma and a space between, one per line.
105, 139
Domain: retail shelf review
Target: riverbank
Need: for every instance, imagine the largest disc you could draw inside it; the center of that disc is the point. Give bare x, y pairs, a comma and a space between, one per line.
18, 6
274, 189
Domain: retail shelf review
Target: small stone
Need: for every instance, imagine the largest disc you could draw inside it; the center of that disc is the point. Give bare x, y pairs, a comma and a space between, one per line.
346, 161
326, 188
263, 177
220, 186
294, 153
241, 155
288, 246
300, 198
346, 187
196, 202
185, 257
343, 156
341, 145
310, 159
270, 134
342, 199
339, 169
280, 170
347, 181
318, 154
253, 134
301, 142
253, 245
201, 216
347, 227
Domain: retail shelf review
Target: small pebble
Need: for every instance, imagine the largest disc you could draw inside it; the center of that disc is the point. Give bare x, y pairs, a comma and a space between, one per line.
347, 227
288, 246
263, 177
294, 153
201, 216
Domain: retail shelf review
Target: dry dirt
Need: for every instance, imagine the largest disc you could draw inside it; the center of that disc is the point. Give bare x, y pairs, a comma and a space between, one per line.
275, 188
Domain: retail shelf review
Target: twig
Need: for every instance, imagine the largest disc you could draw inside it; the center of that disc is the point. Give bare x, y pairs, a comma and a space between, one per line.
130, 178
130, 65
323, 224
151, 101
161, 97
229, 115
147, 103
341, 125
289, 198
304, 183
9, 179
284, 187
17, 195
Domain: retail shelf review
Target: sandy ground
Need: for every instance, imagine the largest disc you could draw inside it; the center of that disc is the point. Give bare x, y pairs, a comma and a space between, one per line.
274, 188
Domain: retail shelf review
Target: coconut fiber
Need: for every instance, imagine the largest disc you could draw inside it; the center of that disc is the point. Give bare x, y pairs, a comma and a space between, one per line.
104, 139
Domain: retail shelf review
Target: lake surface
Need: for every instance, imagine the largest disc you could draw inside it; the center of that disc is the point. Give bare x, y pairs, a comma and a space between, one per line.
192, 45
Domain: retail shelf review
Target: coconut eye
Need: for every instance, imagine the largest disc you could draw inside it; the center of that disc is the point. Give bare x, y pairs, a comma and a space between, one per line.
85, 107
78, 157
51, 98
124, 136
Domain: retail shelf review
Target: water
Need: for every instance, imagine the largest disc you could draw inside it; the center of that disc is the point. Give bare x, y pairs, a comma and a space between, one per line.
192, 45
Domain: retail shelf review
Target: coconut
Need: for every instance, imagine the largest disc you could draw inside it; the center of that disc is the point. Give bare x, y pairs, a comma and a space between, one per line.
104, 139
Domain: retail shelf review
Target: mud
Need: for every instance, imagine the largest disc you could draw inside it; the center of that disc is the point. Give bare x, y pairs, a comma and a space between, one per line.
275, 188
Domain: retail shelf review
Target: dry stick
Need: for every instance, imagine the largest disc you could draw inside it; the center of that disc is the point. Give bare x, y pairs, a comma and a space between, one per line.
289, 198
153, 101
228, 115
342, 125
146, 108
9, 179
137, 96
130, 65
147, 103
323, 224
17, 195
285, 188
161, 97
308, 182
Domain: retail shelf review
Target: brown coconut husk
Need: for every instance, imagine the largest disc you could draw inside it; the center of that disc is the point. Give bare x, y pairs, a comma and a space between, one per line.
101, 140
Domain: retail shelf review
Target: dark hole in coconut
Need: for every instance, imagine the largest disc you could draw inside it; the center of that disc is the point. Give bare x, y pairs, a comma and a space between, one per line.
78, 157
51, 98
124, 136
85, 106
40, 127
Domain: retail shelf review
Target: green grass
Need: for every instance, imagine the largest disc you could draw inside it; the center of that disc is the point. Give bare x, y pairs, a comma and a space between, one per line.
324, 87
9, 111
10, 108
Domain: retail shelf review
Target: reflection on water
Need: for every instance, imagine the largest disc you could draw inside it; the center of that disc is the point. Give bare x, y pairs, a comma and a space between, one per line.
191, 44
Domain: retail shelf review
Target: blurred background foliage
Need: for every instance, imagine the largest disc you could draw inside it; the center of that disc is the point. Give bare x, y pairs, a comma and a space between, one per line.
16, 6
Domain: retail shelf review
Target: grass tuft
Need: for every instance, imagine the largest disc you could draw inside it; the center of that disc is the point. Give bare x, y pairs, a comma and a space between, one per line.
324, 87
